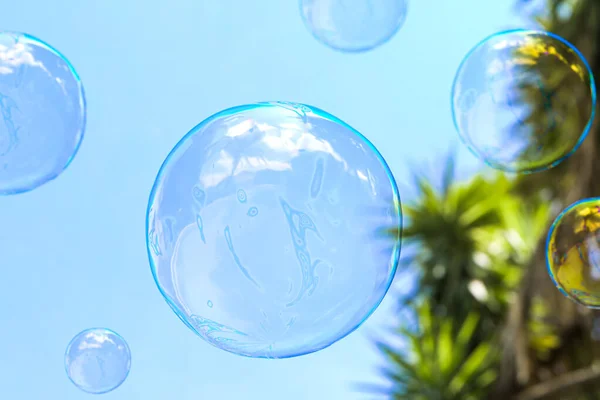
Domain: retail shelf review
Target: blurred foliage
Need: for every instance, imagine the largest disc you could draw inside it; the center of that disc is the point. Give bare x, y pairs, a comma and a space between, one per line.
444, 362
483, 306
542, 335
577, 21
474, 239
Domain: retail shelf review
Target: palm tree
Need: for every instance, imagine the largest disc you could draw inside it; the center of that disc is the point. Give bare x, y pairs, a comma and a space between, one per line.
522, 371
549, 346
472, 241
445, 361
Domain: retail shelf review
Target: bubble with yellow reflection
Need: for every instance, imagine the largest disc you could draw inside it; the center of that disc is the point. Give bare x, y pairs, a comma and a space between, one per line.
523, 100
97, 360
263, 229
573, 252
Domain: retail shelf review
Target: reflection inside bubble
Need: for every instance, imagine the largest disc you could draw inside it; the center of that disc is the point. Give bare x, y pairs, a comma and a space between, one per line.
283, 189
42, 110
523, 100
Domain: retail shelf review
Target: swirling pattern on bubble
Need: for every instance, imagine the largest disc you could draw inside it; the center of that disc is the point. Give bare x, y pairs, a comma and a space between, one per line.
271, 254
573, 252
42, 113
241, 196
523, 101
299, 223
238, 262
353, 26
97, 360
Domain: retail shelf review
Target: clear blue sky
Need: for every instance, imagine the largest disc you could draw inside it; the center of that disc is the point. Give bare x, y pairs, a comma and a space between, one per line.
73, 251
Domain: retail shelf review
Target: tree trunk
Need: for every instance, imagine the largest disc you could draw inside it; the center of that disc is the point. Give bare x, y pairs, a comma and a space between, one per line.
519, 366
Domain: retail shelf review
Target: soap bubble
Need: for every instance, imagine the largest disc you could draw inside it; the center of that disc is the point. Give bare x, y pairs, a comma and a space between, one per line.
573, 252
263, 229
97, 360
523, 100
353, 25
42, 113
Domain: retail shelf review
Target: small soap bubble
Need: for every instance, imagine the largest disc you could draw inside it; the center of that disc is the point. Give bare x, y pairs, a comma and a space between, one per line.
42, 113
573, 252
523, 100
353, 25
209, 304
286, 264
97, 360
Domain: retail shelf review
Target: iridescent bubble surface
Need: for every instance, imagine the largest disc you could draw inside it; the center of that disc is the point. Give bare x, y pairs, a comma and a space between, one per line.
353, 25
261, 231
97, 360
523, 100
573, 252
42, 113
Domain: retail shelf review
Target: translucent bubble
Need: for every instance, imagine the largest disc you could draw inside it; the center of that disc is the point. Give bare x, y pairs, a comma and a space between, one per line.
42, 113
97, 360
353, 25
523, 100
296, 271
573, 252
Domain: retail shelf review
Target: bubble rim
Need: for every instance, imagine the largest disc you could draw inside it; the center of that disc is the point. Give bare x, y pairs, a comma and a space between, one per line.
550, 236
394, 254
586, 129
93, 330
83, 106
360, 49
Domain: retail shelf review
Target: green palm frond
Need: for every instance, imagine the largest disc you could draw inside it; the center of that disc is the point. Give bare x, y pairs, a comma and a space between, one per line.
543, 337
473, 240
444, 361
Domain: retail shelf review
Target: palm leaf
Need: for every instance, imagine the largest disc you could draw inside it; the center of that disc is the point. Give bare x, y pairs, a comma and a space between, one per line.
441, 363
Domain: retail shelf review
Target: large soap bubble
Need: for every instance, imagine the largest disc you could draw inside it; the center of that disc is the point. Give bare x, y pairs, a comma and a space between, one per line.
353, 25
42, 113
523, 100
97, 360
262, 229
